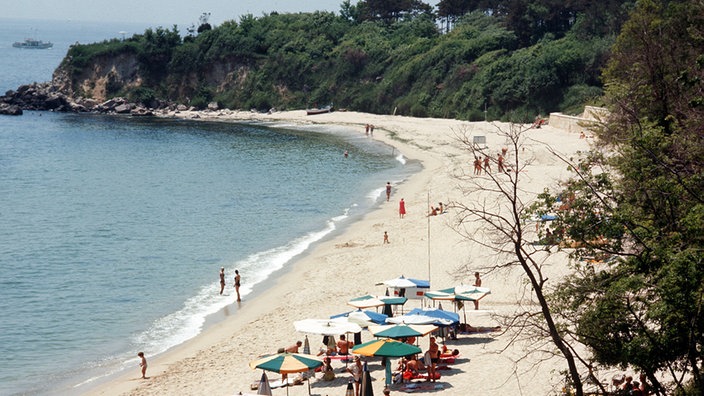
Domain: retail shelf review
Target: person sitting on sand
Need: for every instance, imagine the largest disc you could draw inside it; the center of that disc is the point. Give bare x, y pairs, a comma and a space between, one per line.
433, 211
397, 374
294, 348
328, 372
415, 366
343, 346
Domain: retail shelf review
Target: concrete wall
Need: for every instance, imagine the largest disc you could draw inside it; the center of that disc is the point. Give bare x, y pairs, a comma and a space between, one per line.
577, 124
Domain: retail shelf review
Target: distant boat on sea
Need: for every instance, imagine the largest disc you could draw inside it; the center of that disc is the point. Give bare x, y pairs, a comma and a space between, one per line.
33, 44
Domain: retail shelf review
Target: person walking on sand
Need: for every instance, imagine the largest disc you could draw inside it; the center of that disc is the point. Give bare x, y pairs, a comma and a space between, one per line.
487, 166
237, 284
401, 208
386, 237
388, 191
222, 280
500, 163
143, 364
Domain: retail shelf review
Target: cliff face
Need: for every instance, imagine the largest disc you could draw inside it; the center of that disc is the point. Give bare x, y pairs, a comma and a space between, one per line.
107, 76
104, 77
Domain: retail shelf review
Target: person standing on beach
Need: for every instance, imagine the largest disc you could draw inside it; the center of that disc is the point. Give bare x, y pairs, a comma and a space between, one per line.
401, 208
388, 191
143, 364
222, 280
477, 283
386, 237
434, 352
237, 284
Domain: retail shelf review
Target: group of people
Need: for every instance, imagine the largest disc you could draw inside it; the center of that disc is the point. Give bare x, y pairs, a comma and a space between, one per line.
434, 211
628, 387
485, 164
237, 281
369, 129
411, 367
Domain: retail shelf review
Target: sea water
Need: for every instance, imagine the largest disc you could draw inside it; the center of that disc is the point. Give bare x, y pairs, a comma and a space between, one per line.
113, 229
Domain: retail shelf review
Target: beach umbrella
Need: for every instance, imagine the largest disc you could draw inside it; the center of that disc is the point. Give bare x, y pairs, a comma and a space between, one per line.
287, 363
401, 330
400, 282
363, 318
385, 347
459, 294
366, 389
417, 318
443, 316
264, 388
306, 346
369, 301
365, 302
327, 327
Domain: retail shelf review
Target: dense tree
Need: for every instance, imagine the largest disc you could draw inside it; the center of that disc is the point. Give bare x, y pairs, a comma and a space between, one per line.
400, 61
640, 201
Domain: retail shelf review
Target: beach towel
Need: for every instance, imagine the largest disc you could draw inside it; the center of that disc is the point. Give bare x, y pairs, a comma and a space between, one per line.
420, 387
425, 376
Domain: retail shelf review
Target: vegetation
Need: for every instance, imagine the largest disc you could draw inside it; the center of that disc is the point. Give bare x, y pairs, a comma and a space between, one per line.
381, 56
637, 204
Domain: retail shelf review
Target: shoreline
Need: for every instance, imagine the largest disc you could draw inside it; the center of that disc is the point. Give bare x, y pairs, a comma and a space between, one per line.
349, 264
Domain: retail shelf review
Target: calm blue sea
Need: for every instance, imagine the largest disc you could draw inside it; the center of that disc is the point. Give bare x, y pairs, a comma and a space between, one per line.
113, 230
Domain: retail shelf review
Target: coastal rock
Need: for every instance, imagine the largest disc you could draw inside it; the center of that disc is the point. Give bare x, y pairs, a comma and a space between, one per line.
7, 109
213, 106
123, 108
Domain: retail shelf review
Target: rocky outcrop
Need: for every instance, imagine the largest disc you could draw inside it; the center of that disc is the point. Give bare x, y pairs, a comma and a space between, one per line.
7, 109
46, 96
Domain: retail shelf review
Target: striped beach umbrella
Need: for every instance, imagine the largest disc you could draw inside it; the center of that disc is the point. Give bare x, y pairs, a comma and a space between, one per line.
287, 363
385, 347
401, 330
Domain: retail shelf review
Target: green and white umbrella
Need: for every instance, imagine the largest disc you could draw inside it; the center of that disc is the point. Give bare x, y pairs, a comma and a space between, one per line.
385, 347
287, 363
397, 331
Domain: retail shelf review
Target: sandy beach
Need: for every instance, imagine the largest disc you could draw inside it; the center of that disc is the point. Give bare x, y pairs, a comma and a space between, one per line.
320, 283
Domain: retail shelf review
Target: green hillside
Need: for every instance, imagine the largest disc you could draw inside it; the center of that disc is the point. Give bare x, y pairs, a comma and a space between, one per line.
461, 59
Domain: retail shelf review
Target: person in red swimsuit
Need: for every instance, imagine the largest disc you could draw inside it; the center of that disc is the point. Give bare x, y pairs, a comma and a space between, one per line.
401, 208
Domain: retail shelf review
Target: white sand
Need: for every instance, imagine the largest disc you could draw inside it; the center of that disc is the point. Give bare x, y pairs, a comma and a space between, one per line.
320, 283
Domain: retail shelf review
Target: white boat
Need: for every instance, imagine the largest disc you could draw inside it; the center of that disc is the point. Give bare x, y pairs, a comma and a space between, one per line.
32, 44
